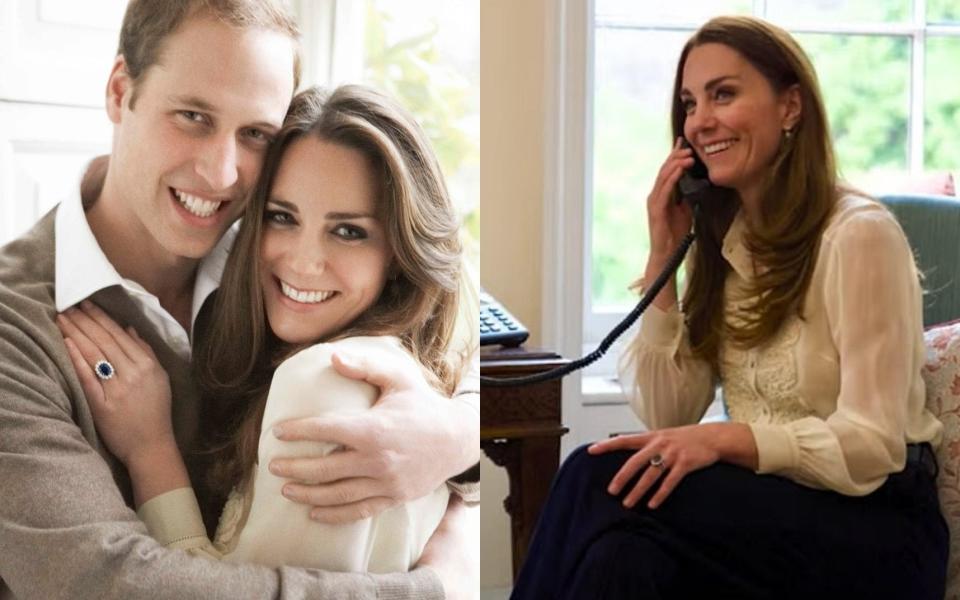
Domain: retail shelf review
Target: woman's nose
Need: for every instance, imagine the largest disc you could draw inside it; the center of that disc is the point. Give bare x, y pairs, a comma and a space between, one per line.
700, 119
310, 256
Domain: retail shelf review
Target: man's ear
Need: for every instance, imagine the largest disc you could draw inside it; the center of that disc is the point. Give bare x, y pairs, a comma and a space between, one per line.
119, 85
791, 104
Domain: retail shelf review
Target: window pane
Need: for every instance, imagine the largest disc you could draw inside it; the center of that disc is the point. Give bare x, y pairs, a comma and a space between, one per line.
942, 110
943, 11
832, 12
426, 54
865, 83
678, 10
631, 140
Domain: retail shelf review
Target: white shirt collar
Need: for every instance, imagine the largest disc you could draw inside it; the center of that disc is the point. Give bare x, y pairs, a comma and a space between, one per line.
82, 268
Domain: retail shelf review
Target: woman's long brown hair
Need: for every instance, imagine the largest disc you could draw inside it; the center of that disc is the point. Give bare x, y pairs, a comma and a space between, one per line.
799, 194
237, 355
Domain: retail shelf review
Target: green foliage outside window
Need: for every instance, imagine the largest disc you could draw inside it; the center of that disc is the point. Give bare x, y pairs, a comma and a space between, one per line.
412, 71
866, 85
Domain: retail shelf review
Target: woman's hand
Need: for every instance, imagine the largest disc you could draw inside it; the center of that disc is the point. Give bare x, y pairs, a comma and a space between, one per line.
132, 409
682, 450
669, 222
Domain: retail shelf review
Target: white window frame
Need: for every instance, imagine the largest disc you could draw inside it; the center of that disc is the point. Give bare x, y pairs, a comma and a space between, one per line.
571, 323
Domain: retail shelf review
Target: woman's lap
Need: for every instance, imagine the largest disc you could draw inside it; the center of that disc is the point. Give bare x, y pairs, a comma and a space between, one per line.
725, 527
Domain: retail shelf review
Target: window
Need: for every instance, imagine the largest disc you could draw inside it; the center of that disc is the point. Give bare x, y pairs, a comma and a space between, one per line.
426, 55
886, 73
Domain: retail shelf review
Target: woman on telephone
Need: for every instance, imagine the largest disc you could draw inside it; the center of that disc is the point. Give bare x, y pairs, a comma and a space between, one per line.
804, 304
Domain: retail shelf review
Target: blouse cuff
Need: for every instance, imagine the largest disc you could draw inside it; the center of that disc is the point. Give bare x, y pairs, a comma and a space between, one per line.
470, 491
422, 583
661, 328
776, 448
173, 518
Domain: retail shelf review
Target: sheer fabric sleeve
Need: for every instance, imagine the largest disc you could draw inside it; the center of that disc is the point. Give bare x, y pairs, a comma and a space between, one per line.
667, 386
873, 304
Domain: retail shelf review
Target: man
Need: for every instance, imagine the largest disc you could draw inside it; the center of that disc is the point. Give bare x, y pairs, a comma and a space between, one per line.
195, 94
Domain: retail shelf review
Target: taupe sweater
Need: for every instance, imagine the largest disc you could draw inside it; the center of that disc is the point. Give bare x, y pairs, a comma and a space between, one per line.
67, 529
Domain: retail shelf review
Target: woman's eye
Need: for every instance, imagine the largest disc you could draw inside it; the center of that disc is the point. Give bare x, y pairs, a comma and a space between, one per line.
279, 217
687, 105
350, 232
723, 94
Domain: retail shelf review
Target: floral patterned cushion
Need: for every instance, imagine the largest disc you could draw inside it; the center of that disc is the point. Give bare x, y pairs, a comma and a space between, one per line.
942, 376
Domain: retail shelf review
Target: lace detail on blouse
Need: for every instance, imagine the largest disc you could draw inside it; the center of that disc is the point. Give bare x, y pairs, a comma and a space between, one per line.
761, 385
228, 527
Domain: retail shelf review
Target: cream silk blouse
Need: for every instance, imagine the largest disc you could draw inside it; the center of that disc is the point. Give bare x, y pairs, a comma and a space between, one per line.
834, 397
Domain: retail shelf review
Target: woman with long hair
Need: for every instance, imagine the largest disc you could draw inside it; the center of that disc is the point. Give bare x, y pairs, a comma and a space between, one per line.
804, 304
349, 244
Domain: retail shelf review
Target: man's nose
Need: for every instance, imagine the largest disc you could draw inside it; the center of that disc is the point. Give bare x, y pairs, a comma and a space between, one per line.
218, 163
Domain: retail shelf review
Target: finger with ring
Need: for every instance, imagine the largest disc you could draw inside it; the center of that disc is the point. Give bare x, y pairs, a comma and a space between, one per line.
104, 370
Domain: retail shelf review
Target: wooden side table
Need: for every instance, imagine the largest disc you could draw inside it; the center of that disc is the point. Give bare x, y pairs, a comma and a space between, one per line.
520, 429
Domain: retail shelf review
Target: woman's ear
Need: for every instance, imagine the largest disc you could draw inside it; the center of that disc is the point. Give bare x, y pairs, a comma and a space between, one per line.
118, 86
791, 105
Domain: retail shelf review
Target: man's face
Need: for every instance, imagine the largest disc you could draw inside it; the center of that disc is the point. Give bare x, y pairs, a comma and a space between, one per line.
186, 156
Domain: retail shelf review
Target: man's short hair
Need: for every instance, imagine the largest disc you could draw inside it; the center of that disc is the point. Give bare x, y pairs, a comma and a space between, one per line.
147, 23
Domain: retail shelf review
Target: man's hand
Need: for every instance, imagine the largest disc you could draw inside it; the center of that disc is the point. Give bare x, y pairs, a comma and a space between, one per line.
409, 443
452, 551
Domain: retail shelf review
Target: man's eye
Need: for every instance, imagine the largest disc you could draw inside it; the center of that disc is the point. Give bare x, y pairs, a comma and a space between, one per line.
193, 116
350, 232
258, 136
279, 217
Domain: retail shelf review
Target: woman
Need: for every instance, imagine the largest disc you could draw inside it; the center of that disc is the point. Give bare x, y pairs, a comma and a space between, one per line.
804, 304
349, 243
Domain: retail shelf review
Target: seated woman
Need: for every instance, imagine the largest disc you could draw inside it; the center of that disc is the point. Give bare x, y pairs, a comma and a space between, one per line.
349, 244
804, 303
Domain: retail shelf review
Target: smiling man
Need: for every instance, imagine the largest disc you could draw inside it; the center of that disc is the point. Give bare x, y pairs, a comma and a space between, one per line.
195, 94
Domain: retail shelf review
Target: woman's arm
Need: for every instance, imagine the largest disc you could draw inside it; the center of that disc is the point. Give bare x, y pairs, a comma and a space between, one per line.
873, 307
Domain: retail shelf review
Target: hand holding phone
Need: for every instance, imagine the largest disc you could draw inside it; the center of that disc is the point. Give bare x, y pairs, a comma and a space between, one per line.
694, 180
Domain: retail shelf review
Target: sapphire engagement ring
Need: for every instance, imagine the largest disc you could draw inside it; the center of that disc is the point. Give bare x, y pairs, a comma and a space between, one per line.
104, 370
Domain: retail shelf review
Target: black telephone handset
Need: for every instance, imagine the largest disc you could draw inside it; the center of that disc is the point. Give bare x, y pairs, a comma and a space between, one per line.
692, 185
694, 180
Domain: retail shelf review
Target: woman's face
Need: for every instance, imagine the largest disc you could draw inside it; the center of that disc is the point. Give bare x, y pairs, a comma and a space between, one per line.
734, 118
324, 258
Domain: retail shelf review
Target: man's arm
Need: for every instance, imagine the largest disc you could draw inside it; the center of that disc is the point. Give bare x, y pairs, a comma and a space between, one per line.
66, 532
409, 443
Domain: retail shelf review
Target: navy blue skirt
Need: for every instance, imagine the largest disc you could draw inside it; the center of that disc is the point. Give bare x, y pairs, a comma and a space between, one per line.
726, 532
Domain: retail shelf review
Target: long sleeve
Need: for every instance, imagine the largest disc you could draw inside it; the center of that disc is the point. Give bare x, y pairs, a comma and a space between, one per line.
666, 384
872, 302
65, 530
466, 342
467, 486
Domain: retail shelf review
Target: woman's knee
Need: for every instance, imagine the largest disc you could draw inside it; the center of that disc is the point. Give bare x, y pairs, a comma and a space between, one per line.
596, 469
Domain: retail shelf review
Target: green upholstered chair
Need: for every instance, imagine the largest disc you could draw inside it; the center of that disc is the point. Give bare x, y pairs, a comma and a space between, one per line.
932, 225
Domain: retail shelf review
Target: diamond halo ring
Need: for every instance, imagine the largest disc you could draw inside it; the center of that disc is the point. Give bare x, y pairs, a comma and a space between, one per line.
656, 461
104, 370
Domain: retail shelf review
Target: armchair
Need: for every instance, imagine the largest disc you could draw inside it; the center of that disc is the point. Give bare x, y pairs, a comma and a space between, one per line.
932, 225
